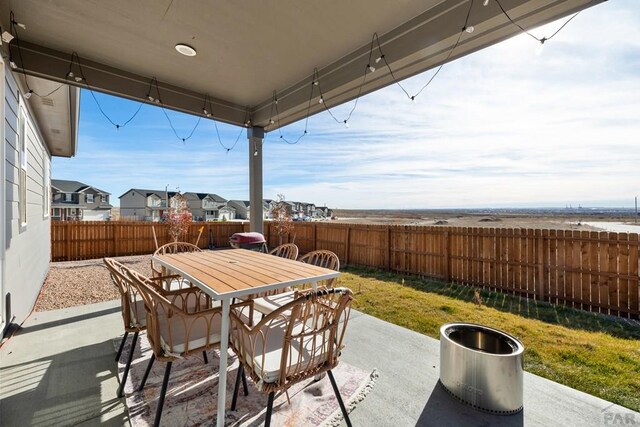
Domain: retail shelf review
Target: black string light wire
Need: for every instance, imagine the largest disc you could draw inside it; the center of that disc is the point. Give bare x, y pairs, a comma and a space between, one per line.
306, 120
184, 139
466, 28
207, 110
75, 58
13, 27
540, 40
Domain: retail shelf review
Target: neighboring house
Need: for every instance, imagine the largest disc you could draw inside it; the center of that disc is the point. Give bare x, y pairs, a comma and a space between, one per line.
205, 206
73, 200
241, 207
144, 205
323, 212
226, 213
33, 130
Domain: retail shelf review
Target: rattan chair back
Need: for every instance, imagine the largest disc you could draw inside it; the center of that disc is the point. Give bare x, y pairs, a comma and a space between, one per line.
133, 314
287, 250
307, 333
171, 248
175, 318
323, 258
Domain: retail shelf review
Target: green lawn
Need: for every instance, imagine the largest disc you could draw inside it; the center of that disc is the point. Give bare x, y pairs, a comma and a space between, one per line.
585, 351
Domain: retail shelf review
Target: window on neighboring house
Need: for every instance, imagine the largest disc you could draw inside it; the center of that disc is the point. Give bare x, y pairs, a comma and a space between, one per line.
46, 186
68, 197
105, 199
22, 152
56, 212
89, 198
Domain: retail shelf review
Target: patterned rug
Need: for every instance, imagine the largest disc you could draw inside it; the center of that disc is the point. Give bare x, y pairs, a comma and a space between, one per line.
192, 395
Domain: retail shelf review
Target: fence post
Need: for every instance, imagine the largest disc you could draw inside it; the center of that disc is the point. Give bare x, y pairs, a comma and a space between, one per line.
388, 251
67, 234
540, 286
314, 236
347, 246
447, 258
114, 230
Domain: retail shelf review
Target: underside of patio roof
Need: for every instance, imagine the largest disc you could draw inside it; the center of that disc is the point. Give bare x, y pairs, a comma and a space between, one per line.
247, 51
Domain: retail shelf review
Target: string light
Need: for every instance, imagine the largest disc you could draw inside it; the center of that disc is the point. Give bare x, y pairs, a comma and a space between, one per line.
543, 39
540, 46
469, 29
13, 29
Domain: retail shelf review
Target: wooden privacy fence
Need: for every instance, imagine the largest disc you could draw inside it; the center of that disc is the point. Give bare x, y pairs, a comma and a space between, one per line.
595, 271
76, 240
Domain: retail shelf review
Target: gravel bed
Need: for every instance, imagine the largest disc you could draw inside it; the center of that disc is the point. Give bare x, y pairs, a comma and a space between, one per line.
74, 283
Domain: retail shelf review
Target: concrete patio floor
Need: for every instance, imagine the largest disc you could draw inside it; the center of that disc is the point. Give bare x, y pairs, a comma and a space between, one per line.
59, 370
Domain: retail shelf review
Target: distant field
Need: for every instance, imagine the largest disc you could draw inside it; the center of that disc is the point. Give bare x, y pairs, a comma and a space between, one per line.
563, 219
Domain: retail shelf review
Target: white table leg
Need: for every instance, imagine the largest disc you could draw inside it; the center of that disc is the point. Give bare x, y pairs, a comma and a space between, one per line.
224, 345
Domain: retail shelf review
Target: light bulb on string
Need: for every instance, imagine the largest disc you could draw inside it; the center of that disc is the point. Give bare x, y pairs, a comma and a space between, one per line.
70, 74
413, 99
28, 94
315, 83
540, 46
321, 100
371, 68
271, 121
469, 29
379, 58
78, 78
13, 64
275, 101
485, 3
151, 98
346, 124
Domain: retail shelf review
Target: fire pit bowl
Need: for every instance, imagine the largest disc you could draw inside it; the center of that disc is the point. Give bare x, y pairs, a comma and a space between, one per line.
482, 367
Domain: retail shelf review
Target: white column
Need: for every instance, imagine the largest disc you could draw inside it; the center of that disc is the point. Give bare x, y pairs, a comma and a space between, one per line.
255, 136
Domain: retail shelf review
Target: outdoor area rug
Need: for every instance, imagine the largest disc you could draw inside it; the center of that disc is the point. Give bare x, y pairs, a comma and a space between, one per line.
192, 395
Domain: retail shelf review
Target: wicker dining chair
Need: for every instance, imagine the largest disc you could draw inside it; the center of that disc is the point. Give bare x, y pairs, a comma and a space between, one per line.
134, 314
297, 341
175, 282
269, 301
286, 250
177, 327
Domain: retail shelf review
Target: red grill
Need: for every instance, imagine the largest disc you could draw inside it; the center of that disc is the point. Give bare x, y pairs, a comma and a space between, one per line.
253, 240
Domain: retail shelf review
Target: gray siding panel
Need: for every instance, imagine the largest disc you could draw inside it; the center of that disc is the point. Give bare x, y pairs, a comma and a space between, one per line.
27, 248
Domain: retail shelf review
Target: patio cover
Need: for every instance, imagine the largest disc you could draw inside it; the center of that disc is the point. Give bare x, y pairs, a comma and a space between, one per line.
249, 50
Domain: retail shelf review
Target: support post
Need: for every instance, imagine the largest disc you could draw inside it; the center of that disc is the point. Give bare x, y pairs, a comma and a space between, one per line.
255, 135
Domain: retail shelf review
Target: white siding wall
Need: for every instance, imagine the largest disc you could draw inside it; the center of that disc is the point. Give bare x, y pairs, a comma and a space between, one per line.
27, 247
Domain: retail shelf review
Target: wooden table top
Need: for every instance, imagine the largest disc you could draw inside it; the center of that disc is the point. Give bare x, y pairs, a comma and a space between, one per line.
236, 272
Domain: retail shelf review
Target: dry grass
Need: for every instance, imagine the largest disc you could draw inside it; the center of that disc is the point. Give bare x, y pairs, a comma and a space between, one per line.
589, 352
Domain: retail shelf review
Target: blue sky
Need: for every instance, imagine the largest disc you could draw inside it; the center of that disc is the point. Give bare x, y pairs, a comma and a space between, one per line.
500, 127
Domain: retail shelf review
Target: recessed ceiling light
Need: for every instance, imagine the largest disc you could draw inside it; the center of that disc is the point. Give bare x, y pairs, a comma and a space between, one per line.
185, 49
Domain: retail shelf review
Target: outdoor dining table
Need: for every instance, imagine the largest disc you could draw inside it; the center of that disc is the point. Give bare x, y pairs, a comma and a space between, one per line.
231, 273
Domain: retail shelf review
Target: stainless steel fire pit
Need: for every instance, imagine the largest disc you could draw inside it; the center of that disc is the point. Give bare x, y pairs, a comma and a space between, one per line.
482, 367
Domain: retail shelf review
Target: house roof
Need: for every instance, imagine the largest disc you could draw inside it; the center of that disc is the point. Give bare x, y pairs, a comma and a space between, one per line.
244, 203
147, 193
247, 51
201, 196
65, 186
